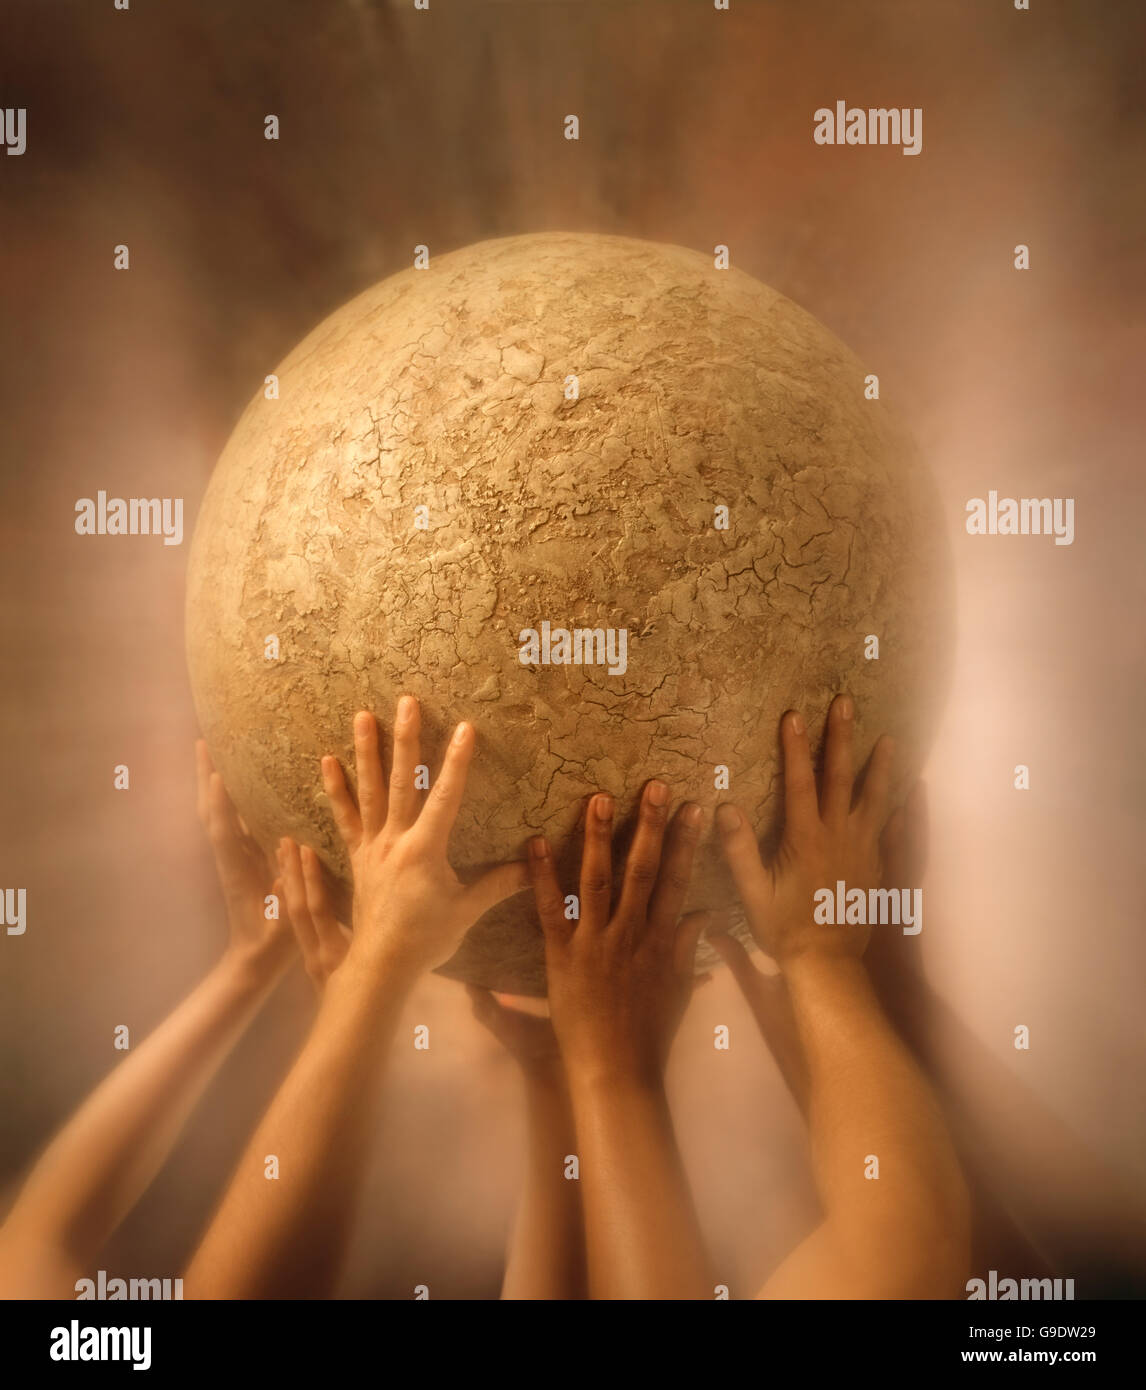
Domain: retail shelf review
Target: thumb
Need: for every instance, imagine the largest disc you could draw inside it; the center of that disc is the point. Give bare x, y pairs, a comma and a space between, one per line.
496, 884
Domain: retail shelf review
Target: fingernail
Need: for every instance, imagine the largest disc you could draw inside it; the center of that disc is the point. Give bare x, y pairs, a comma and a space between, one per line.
847, 709
362, 722
727, 818
460, 732
603, 806
796, 723
406, 707
658, 793
691, 814
539, 847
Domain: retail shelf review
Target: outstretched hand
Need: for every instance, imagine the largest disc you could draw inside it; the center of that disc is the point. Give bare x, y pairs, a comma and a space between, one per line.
621, 975
410, 908
825, 839
244, 871
322, 939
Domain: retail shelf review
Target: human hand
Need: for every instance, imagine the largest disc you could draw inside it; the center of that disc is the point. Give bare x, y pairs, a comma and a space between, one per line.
244, 873
410, 909
621, 976
528, 1038
321, 937
823, 841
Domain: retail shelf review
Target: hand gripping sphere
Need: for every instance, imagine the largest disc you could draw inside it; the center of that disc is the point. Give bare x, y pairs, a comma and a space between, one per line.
616, 506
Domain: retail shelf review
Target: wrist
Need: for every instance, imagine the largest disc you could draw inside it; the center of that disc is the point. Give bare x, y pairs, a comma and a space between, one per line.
812, 969
379, 964
596, 1072
255, 966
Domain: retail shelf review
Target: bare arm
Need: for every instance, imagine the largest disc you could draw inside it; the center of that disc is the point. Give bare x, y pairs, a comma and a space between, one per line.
619, 981
546, 1254
97, 1168
285, 1236
905, 1232
642, 1232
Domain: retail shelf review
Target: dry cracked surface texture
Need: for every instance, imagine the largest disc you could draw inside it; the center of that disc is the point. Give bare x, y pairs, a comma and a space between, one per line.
445, 388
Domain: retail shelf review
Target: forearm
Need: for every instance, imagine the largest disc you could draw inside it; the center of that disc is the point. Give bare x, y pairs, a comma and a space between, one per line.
284, 1236
546, 1257
641, 1231
904, 1232
97, 1168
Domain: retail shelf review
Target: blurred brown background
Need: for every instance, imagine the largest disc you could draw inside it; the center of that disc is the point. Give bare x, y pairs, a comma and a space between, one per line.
444, 127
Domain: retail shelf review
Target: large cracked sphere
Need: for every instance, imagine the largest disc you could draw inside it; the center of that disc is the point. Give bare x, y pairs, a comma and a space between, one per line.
603, 434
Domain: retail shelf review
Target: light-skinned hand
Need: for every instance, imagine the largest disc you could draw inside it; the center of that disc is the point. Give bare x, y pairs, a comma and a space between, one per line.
322, 939
825, 839
244, 872
410, 908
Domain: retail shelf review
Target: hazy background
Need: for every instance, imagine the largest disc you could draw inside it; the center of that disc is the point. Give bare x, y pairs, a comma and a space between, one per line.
397, 127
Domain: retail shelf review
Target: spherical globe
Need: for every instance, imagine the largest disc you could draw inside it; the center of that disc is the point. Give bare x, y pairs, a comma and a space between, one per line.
562, 434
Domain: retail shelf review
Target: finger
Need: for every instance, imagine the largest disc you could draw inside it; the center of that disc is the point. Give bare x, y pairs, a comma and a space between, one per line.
692, 927
839, 773
278, 891
402, 811
676, 870
495, 885
327, 931
801, 809
445, 798
203, 770
748, 872
294, 889
905, 842
596, 886
368, 769
346, 818
876, 791
547, 895
220, 808
223, 831
643, 863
